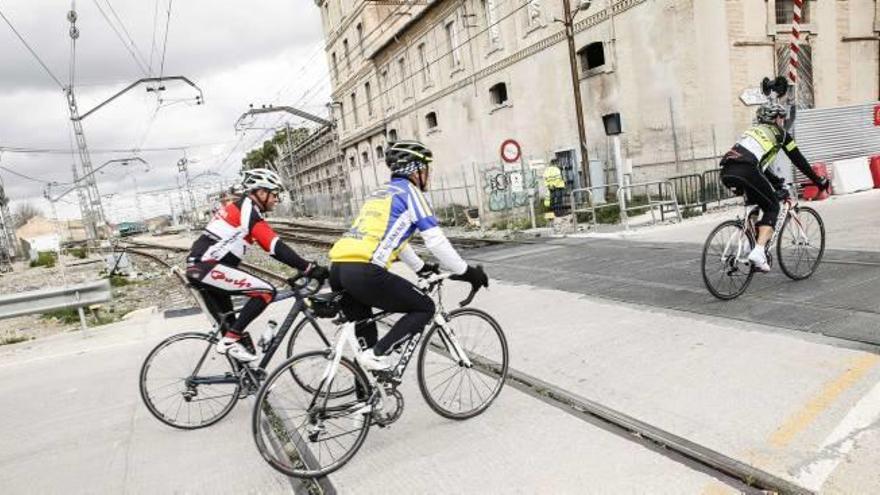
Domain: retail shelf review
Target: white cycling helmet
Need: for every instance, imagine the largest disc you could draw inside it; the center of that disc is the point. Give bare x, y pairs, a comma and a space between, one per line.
261, 178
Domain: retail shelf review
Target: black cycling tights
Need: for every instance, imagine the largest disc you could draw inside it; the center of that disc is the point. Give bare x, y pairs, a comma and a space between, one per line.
367, 286
758, 189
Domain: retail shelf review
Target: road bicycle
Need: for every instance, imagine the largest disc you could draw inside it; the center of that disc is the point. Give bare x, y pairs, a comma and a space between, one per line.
313, 412
799, 237
186, 384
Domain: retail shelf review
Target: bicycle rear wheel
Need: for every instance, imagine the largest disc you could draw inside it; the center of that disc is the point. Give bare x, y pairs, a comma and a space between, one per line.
308, 434
185, 384
451, 389
801, 243
725, 266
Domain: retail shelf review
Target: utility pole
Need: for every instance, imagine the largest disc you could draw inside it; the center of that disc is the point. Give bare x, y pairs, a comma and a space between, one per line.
89, 197
568, 22
183, 169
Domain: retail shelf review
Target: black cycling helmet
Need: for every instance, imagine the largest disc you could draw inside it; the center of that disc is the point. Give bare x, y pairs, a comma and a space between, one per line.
407, 157
768, 113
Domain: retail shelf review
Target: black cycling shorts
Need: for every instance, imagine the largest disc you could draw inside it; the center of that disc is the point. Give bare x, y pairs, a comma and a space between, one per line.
744, 177
370, 286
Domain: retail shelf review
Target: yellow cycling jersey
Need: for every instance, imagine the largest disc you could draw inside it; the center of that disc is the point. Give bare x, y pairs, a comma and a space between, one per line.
764, 141
385, 223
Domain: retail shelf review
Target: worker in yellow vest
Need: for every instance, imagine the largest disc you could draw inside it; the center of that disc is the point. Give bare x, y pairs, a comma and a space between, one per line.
555, 189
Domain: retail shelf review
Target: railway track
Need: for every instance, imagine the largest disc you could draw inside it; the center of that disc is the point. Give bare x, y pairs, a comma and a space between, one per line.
325, 236
739, 475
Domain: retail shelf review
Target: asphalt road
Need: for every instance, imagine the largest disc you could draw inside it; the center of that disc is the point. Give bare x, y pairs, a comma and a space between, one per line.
842, 299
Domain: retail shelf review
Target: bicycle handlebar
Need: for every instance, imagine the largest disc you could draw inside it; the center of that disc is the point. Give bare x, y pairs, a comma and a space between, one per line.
430, 282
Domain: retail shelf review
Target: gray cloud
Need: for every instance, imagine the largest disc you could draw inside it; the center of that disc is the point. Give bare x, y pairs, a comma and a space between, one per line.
238, 52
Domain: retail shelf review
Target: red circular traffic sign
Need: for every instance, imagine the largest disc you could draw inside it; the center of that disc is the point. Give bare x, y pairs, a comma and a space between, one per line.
510, 151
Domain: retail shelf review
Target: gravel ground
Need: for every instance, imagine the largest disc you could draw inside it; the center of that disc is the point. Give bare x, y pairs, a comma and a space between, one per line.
150, 288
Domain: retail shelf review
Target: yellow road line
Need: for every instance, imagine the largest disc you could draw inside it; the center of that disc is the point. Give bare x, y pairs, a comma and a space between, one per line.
799, 421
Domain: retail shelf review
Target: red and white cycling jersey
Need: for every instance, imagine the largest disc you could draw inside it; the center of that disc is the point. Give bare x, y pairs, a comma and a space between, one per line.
231, 231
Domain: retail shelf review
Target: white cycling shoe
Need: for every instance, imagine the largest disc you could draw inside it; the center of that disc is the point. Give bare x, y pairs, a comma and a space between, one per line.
234, 349
759, 259
372, 362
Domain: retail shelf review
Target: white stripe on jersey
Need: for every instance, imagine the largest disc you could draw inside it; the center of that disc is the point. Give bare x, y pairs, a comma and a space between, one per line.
393, 239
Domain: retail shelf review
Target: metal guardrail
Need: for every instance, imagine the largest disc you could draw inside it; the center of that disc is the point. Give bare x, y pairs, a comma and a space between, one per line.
652, 203
41, 301
690, 190
590, 206
713, 189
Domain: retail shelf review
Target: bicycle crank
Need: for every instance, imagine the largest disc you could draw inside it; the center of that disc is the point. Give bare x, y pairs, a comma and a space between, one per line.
392, 408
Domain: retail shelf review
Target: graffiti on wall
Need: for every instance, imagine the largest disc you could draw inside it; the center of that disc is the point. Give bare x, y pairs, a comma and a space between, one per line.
499, 191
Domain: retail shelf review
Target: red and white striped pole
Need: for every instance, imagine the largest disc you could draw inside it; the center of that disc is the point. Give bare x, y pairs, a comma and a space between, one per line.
794, 49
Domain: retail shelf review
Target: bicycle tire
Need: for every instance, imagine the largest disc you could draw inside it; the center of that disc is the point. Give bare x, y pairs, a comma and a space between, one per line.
728, 264
296, 338
152, 404
482, 364
788, 269
262, 404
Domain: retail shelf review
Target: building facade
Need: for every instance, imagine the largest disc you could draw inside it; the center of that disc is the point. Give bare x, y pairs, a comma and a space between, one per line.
316, 174
466, 75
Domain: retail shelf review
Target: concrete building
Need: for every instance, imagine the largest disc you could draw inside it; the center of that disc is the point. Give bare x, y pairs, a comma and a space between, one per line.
465, 75
316, 174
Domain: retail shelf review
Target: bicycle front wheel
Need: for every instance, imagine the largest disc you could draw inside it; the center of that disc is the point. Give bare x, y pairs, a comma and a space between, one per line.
725, 265
308, 432
185, 384
450, 388
801, 243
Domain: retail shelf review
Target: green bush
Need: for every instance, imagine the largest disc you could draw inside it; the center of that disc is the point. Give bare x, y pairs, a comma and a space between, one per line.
44, 258
79, 252
14, 339
452, 215
119, 281
66, 316
693, 211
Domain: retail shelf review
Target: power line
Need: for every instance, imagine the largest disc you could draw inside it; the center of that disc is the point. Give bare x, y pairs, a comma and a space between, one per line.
56, 151
27, 177
153, 42
25, 43
165, 43
127, 46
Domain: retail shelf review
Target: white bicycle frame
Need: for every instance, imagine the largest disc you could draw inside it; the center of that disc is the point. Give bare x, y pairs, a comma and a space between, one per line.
347, 338
741, 239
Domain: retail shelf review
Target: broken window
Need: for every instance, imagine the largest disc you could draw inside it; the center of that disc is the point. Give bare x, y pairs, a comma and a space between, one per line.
592, 56
431, 120
498, 94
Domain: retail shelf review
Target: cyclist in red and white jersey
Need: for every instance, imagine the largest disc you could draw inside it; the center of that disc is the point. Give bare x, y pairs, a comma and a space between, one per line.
215, 255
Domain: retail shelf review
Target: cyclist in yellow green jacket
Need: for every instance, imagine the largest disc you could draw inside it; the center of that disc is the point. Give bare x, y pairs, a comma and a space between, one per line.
746, 169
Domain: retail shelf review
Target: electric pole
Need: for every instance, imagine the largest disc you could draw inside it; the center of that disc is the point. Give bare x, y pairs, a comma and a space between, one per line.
568, 22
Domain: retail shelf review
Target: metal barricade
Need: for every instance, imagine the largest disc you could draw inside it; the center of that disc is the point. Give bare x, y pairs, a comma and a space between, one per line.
652, 203
41, 301
689, 190
714, 190
590, 206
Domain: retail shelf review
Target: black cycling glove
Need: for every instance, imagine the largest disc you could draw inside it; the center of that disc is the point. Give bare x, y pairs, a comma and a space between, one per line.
475, 275
428, 269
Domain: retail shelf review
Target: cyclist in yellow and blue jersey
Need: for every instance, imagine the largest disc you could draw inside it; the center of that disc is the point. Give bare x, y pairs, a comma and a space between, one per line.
746, 170
379, 236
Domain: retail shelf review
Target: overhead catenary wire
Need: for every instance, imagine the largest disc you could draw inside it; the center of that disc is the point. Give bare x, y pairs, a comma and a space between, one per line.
365, 42
56, 151
31, 50
125, 30
153, 40
165, 42
119, 35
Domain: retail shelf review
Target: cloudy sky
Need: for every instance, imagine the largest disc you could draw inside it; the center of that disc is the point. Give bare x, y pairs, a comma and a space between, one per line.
238, 52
